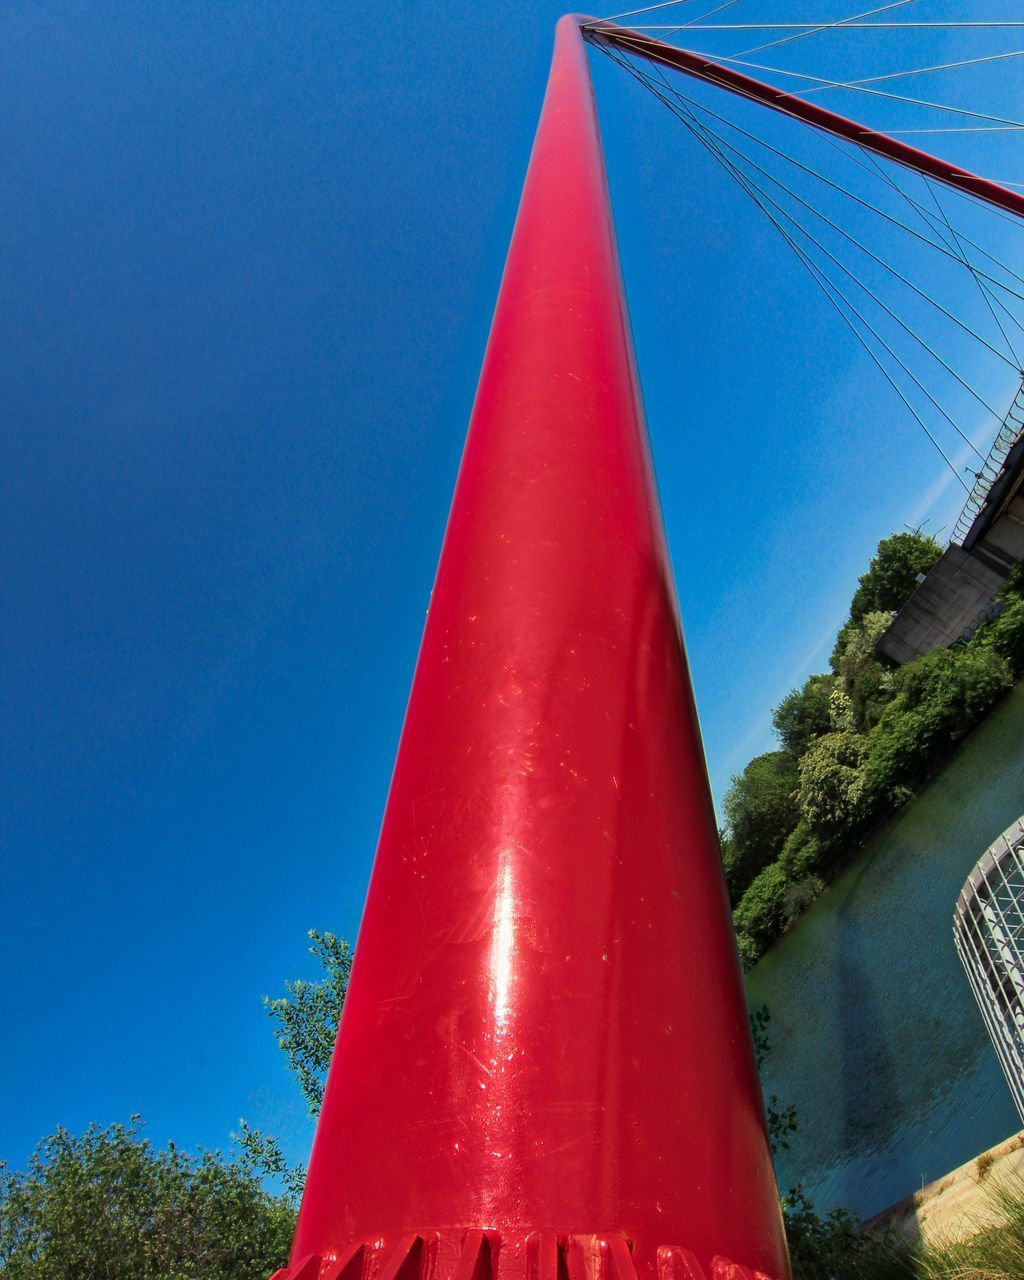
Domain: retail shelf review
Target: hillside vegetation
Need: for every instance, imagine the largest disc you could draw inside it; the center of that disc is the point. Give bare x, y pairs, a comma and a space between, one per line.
855, 744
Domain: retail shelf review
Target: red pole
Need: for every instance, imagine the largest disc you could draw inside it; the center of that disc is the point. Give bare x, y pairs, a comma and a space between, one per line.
544, 1066
696, 65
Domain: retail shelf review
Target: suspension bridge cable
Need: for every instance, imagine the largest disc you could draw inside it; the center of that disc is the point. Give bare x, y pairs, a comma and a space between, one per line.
930, 222
917, 71
822, 83
751, 188
624, 40
881, 172
665, 4
826, 26
807, 26
729, 4
1014, 221
967, 128
858, 244
870, 253
970, 266
861, 284
866, 204
992, 299
816, 274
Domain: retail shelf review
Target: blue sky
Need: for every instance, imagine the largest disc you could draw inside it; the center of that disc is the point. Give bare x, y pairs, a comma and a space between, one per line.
249, 257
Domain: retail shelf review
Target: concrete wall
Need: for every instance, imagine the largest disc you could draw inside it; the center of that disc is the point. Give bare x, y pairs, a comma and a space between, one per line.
947, 603
962, 1203
1005, 536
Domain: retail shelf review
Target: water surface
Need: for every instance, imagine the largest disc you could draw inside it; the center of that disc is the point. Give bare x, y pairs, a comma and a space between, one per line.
875, 1035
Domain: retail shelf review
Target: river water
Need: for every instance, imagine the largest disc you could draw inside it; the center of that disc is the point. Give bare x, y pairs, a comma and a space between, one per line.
875, 1037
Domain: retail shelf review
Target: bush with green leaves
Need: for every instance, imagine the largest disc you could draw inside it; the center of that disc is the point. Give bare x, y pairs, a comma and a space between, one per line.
760, 811
1013, 587
890, 581
832, 782
307, 1016
861, 741
834, 1246
865, 681
306, 1020
891, 578
109, 1204
763, 911
804, 714
939, 698
805, 853
1005, 636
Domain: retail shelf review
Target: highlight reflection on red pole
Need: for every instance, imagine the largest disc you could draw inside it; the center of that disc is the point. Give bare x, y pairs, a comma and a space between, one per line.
544, 1067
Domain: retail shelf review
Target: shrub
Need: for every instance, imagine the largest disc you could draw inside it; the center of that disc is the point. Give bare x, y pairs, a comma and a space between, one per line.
834, 1247
890, 581
832, 782
940, 697
1005, 635
803, 715
864, 680
763, 911
805, 852
760, 811
750, 951
857, 743
107, 1203
1013, 587
891, 578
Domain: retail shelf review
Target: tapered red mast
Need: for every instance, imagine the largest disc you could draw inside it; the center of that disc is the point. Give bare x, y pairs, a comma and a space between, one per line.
544, 1065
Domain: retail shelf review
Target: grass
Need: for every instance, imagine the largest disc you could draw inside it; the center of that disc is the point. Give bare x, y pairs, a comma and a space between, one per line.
996, 1252
832, 1249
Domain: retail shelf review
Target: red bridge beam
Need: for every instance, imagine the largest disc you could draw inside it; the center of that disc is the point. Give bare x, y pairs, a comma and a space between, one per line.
701, 68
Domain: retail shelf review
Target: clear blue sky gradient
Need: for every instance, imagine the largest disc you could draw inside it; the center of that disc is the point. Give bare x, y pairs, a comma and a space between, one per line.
249, 257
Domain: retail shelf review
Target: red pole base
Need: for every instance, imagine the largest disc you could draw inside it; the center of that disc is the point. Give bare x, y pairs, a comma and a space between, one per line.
474, 1255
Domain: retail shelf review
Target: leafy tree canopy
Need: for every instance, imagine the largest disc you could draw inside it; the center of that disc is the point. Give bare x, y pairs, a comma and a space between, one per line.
110, 1204
803, 715
760, 811
107, 1203
866, 683
306, 1019
832, 781
891, 578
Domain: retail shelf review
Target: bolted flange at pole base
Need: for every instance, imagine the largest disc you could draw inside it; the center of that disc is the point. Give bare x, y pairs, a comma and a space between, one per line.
544, 1066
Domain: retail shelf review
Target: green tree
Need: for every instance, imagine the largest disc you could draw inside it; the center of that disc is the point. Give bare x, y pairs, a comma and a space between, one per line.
891, 578
939, 698
763, 912
306, 1021
866, 683
1005, 635
832, 782
107, 1203
890, 581
803, 715
835, 1247
760, 811
307, 1016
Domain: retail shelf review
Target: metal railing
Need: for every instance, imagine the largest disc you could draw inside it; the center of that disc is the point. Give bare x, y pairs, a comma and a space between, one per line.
988, 930
1010, 431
